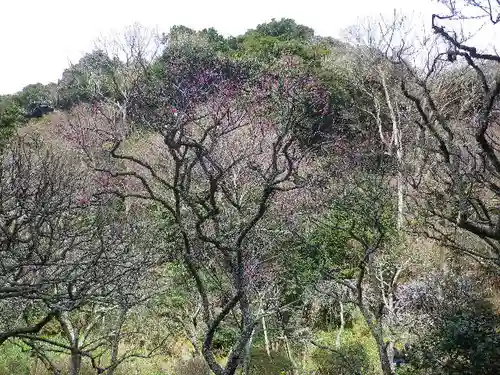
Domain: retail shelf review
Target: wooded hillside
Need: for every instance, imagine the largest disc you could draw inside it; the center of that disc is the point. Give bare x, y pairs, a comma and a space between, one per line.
272, 203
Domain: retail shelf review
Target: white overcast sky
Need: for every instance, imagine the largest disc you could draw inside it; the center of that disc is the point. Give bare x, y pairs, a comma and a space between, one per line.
39, 38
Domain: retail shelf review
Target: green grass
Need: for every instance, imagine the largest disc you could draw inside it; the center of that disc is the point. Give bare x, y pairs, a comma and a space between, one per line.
13, 361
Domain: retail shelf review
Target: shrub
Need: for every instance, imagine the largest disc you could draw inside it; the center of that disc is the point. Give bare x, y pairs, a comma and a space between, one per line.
276, 364
356, 355
192, 366
464, 341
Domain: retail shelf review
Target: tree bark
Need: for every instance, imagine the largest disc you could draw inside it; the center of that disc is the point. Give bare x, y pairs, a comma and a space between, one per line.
75, 362
115, 343
385, 362
289, 353
72, 337
377, 332
396, 141
342, 324
266, 338
384, 358
248, 354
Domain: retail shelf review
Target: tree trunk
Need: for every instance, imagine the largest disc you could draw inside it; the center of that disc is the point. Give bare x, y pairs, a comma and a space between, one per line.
443, 265
237, 357
248, 355
390, 354
396, 141
266, 338
114, 357
71, 334
289, 354
384, 360
115, 343
342, 324
376, 330
75, 362
401, 192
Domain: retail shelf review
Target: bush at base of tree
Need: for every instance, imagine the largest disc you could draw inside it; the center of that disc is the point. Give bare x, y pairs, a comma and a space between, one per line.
465, 341
275, 364
193, 366
357, 353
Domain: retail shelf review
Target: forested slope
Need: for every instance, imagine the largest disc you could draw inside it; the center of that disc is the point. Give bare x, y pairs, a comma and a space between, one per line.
272, 203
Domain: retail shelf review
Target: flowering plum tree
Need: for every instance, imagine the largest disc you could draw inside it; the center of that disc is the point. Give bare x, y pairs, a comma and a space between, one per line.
219, 162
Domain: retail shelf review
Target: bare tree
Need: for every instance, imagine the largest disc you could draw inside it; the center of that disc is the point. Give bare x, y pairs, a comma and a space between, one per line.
217, 162
456, 95
128, 58
375, 44
99, 329
367, 243
41, 236
61, 249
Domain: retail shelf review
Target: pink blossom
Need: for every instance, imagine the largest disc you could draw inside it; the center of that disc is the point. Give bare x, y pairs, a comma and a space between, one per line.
83, 201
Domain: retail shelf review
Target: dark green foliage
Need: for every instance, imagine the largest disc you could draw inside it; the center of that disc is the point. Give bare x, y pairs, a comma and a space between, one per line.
72, 88
92, 78
285, 29
272, 40
334, 122
348, 360
14, 109
216, 40
275, 40
465, 341
224, 338
267, 48
36, 93
11, 115
361, 213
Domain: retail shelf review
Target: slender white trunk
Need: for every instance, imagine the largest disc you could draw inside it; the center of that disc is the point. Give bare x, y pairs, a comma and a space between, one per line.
400, 177
396, 141
401, 202
390, 345
71, 334
266, 338
289, 354
342, 324
248, 354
